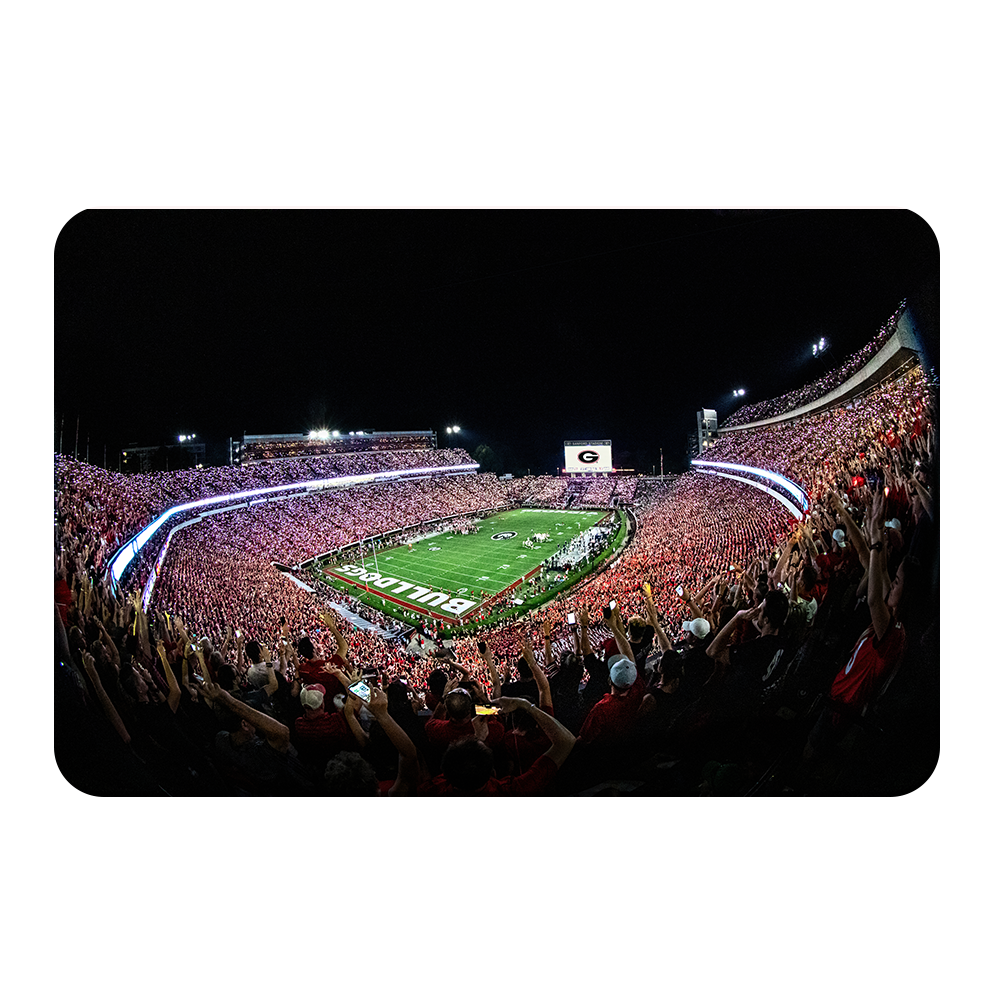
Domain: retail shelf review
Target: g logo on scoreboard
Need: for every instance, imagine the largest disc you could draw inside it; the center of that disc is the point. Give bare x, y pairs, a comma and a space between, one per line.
504, 534
588, 457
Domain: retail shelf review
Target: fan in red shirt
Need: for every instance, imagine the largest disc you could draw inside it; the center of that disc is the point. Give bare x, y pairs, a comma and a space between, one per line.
612, 719
467, 766
324, 672
879, 650
321, 735
460, 710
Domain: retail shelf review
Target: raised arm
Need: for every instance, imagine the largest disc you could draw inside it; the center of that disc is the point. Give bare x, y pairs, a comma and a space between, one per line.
807, 536
926, 500
110, 712
173, 688
487, 654
856, 536
703, 593
271, 729
691, 602
618, 631
351, 707
654, 619
583, 616
544, 691
562, 739
878, 577
408, 770
718, 648
547, 637
777, 575
343, 651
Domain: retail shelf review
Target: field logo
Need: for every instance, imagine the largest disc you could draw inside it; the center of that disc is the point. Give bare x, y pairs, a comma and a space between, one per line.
504, 534
420, 595
588, 457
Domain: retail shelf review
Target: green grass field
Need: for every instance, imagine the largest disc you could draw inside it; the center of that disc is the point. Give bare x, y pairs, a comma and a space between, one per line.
453, 574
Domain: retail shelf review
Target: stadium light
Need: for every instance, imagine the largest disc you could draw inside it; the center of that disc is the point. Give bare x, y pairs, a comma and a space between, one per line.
739, 392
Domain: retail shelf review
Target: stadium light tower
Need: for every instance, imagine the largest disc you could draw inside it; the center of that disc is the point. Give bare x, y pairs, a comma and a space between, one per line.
819, 348
739, 392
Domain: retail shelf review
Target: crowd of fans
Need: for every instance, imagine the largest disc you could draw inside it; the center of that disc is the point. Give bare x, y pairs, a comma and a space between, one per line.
259, 447
107, 508
818, 389
827, 450
730, 649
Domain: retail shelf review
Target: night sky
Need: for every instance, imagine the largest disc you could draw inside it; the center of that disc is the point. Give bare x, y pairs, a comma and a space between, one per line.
524, 327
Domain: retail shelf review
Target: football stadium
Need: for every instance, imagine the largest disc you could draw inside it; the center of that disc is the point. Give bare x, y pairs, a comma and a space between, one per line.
377, 612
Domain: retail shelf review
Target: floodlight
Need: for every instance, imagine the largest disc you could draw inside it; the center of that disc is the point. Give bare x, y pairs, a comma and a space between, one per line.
180, 437
457, 428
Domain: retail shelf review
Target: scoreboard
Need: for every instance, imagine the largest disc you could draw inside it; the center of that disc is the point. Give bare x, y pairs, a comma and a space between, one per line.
588, 456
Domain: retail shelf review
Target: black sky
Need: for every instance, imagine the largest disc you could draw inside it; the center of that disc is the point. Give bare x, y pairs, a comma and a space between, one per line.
525, 327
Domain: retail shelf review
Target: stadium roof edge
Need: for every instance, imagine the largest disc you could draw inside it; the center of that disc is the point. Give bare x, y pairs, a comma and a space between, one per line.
305, 434
902, 350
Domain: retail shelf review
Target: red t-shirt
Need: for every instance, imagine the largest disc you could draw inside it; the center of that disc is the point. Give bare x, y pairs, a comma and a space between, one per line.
312, 672
612, 717
324, 733
444, 732
870, 661
64, 600
525, 749
530, 783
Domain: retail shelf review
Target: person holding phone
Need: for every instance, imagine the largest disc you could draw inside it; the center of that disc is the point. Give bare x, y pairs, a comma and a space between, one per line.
319, 734
455, 719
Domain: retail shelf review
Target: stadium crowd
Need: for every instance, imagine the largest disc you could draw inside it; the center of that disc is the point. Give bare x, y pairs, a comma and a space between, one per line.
259, 447
730, 649
109, 507
827, 383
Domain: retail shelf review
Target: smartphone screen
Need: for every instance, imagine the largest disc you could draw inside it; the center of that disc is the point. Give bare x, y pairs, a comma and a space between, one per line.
680, 591
647, 590
361, 690
613, 605
486, 710
571, 618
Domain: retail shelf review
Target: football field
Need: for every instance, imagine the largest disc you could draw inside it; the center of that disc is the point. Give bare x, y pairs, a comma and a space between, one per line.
450, 576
